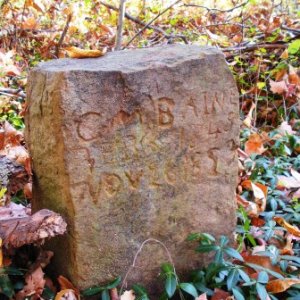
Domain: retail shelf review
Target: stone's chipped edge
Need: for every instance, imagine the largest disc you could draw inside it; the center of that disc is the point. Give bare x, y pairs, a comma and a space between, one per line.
98, 64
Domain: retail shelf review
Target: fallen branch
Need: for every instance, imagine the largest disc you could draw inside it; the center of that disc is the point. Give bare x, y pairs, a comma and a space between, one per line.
254, 47
141, 23
216, 9
44, 224
13, 92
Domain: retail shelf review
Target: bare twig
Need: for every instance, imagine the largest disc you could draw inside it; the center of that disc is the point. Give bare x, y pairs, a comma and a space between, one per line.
290, 29
12, 92
250, 48
120, 25
69, 18
141, 23
150, 22
150, 240
216, 9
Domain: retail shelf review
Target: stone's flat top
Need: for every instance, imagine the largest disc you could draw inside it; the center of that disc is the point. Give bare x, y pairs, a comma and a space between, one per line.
127, 60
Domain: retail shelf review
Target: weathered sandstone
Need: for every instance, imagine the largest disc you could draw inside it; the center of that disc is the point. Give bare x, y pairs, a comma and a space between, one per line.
135, 145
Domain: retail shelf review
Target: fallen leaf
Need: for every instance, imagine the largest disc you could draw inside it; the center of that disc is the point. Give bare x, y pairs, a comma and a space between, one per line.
280, 285
250, 207
220, 295
65, 284
254, 145
249, 117
202, 297
285, 54
288, 248
260, 197
128, 295
278, 87
114, 294
66, 294
75, 52
290, 228
285, 129
263, 261
35, 284
289, 182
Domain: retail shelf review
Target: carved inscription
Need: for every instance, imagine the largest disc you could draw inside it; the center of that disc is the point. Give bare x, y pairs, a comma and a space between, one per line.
137, 147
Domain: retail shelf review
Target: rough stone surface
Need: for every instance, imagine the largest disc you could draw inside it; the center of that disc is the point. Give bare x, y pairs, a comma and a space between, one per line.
135, 145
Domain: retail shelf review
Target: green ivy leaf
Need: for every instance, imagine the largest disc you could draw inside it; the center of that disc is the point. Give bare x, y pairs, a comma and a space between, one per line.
261, 291
189, 288
170, 285
233, 253
237, 294
294, 47
140, 292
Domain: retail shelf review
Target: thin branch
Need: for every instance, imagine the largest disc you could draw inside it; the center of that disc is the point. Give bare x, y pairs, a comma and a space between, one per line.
141, 23
290, 29
216, 9
150, 22
63, 35
12, 92
120, 25
253, 47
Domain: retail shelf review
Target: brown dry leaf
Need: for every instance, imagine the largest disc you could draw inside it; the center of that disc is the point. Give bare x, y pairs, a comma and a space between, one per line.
202, 297
65, 284
250, 207
247, 184
35, 284
280, 74
293, 76
278, 87
28, 190
75, 52
220, 295
280, 285
288, 248
290, 228
20, 155
263, 261
114, 294
260, 198
30, 24
31, 3
128, 295
254, 144
285, 54
12, 135
66, 294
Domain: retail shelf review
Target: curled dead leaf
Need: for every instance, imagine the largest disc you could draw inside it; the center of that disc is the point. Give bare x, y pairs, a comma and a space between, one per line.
66, 284
278, 87
75, 52
280, 285
67, 294
290, 228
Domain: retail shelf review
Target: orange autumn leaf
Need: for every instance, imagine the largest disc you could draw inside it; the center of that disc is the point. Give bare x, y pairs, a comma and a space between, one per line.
280, 285
67, 294
254, 144
75, 52
220, 294
290, 228
65, 284
263, 261
247, 185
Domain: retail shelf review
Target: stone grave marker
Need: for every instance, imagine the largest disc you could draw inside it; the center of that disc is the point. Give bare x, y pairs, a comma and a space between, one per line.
135, 145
